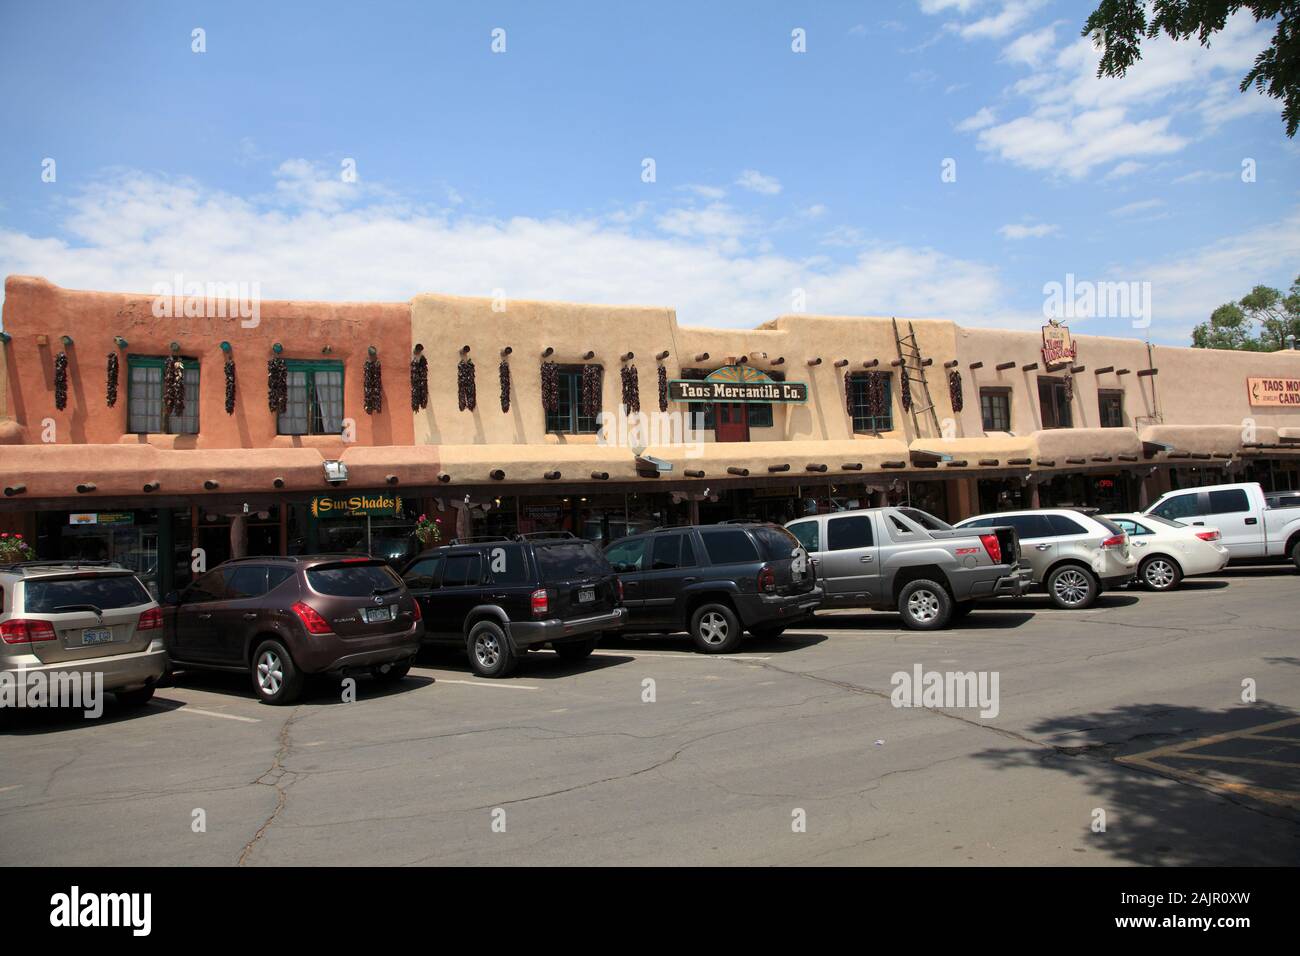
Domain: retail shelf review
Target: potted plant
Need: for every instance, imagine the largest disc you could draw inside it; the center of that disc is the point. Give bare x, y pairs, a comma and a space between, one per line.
427, 531
14, 548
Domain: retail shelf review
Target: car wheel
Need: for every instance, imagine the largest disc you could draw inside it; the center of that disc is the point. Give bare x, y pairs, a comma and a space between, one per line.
576, 650
1159, 573
1295, 555
391, 673
135, 698
716, 629
490, 654
961, 608
768, 630
924, 605
276, 679
1071, 587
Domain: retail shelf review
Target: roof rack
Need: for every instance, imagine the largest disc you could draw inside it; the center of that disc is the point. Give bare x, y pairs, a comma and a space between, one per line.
480, 539
61, 563
564, 535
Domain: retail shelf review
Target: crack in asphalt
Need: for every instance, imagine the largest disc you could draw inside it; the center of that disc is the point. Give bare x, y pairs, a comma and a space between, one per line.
280, 778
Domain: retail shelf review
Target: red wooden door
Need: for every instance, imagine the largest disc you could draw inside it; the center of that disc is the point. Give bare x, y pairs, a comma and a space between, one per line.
731, 423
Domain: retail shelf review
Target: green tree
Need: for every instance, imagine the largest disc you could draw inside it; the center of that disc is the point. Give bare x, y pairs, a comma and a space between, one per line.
1233, 324
1118, 28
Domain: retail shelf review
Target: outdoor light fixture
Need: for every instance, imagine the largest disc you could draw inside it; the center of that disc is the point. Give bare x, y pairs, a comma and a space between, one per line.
652, 463
336, 472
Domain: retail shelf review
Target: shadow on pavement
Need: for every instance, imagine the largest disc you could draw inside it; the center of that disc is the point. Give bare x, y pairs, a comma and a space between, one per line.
1167, 777
991, 616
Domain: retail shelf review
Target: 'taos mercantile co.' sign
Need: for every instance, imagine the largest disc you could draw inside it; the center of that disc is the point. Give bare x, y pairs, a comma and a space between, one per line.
736, 383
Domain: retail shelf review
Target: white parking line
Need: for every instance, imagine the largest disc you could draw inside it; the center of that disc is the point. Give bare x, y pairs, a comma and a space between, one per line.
479, 683
685, 656
177, 707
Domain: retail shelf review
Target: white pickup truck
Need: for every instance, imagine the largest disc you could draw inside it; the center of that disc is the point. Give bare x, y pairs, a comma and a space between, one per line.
1250, 529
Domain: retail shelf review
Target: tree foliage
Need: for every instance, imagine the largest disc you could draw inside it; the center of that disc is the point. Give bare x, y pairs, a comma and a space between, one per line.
1265, 320
1118, 28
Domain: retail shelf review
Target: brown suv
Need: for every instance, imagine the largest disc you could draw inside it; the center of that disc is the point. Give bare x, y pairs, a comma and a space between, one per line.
283, 618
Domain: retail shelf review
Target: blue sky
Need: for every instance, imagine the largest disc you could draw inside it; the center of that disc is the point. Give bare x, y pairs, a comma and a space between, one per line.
775, 170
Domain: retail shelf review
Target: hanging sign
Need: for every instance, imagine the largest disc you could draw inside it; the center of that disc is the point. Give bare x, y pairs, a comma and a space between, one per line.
1273, 391
1058, 346
376, 505
736, 383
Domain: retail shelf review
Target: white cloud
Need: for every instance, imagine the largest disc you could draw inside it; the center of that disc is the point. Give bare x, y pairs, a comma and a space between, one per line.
755, 181
1011, 16
1031, 48
1137, 208
980, 120
939, 6
1028, 230
130, 231
1126, 168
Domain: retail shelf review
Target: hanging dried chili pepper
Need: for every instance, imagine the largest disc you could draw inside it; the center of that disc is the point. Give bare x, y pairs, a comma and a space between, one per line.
230, 386
111, 389
954, 389
277, 385
663, 389
466, 389
592, 380
372, 385
503, 373
419, 383
173, 386
61, 381
550, 387
631, 389
904, 389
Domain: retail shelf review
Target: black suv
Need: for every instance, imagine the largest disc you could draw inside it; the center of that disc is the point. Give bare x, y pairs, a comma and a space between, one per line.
502, 597
715, 581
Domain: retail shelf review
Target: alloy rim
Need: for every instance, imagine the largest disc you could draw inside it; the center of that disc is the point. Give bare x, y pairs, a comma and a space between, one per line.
1071, 587
270, 672
487, 650
1160, 574
923, 605
713, 628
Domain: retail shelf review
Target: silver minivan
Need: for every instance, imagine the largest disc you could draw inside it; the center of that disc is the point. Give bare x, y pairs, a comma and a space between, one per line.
1073, 556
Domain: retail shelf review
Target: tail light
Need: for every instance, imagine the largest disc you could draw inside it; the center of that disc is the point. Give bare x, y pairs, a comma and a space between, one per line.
541, 602
1115, 541
311, 619
150, 619
993, 546
1208, 535
20, 631
767, 580
418, 613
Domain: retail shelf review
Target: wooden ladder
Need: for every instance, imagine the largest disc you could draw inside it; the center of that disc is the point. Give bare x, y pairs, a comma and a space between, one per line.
911, 365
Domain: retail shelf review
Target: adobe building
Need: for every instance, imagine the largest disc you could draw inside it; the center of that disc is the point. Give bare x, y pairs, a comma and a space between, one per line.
332, 426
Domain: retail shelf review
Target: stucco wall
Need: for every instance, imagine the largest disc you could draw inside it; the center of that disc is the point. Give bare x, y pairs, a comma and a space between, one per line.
34, 306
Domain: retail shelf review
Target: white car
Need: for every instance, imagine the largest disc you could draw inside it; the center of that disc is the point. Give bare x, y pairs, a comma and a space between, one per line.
1168, 551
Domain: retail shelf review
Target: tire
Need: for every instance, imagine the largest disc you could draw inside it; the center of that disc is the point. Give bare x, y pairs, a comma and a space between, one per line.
924, 605
276, 679
135, 698
393, 674
1159, 573
960, 609
768, 630
576, 650
1072, 587
716, 629
490, 653
1295, 555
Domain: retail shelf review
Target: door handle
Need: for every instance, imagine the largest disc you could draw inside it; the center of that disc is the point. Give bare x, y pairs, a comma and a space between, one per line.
1199, 524
250, 616
689, 580
497, 597
1042, 547
1252, 521
866, 559
204, 615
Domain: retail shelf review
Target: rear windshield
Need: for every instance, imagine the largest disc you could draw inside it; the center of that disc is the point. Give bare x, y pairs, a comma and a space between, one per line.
1165, 521
926, 520
353, 580
101, 591
572, 559
1109, 525
776, 543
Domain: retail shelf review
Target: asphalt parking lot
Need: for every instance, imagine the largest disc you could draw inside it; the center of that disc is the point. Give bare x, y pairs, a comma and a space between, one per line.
1133, 708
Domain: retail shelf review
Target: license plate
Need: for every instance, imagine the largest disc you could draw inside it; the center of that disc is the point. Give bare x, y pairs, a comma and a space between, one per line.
376, 615
97, 635
586, 595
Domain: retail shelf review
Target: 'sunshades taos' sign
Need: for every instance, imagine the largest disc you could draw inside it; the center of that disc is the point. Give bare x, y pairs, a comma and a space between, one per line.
1273, 391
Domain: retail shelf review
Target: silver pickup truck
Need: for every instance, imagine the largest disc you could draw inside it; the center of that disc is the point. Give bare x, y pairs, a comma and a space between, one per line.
907, 560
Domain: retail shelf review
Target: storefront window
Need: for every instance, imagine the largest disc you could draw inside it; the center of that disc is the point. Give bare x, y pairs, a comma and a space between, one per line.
315, 399
864, 421
995, 409
144, 397
567, 418
1111, 402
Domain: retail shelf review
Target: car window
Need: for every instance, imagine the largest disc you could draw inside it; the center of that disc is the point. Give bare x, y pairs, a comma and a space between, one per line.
667, 552
507, 565
849, 532
353, 579
979, 523
423, 574
245, 581
732, 546
775, 542
104, 591
277, 575
628, 555
208, 587
1228, 501
900, 525
926, 520
1164, 521
1028, 527
808, 533
1063, 524
1109, 525
461, 570
1179, 506
570, 559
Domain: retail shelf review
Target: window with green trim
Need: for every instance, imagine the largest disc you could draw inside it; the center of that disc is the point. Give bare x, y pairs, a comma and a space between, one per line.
567, 417
315, 399
144, 404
